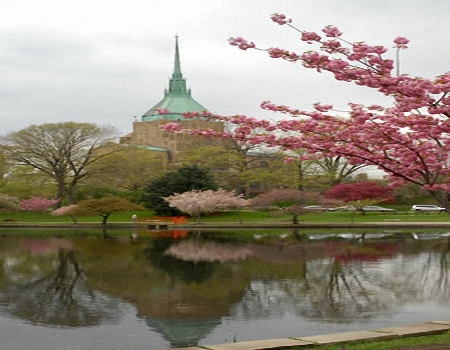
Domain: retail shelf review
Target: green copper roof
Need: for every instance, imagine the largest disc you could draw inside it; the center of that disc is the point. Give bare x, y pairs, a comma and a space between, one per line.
177, 99
152, 148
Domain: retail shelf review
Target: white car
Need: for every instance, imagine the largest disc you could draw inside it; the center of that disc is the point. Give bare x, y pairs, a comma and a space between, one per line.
315, 208
376, 208
427, 207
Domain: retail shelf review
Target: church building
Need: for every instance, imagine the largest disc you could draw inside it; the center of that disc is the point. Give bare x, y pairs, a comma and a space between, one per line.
147, 132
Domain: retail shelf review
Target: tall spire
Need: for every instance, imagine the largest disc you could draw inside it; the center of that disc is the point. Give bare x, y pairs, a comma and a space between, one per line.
177, 67
177, 85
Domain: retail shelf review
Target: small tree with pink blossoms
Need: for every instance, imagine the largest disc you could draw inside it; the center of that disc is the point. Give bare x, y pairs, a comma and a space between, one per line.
37, 204
67, 210
195, 203
291, 201
409, 138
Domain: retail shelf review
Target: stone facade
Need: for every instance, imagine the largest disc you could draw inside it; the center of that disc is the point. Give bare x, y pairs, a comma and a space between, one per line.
150, 134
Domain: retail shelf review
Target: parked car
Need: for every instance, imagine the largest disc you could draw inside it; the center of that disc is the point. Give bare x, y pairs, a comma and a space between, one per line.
427, 207
343, 208
315, 208
375, 208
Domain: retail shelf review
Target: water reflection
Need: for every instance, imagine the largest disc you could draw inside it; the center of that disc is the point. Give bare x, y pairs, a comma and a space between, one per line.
199, 288
183, 332
46, 285
188, 270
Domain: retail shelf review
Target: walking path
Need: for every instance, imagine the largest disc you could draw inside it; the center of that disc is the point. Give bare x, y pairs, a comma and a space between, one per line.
433, 327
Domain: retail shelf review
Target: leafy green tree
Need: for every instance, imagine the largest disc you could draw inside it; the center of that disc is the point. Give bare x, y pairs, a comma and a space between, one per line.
8, 204
62, 152
320, 173
240, 167
130, 168
3, 169
337, 169
184, 179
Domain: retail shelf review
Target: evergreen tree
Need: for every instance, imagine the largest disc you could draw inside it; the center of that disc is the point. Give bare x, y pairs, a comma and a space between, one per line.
185, 178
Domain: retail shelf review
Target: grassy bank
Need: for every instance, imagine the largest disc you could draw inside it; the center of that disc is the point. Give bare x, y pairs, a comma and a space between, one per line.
419, 341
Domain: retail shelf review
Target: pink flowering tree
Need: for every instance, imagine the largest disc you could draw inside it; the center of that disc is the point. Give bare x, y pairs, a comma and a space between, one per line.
37, 204
360, 194
195, 203
291, 201
68, 210
409, 138
360, 191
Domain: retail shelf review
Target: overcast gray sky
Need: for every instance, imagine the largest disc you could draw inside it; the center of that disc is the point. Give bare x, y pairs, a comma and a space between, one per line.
105, 61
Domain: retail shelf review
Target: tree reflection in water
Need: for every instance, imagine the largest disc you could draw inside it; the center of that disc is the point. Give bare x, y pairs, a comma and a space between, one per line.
184, 288
59, 295
186, 270
356, 285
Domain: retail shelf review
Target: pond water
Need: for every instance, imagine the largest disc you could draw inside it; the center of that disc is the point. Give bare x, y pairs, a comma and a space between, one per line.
167, 289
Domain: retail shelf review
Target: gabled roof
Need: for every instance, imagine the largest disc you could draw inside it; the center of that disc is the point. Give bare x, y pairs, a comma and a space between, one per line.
177, 99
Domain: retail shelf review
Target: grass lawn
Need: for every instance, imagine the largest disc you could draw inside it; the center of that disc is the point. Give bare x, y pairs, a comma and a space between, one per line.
443, 338
339, 217
240, 216
29, 217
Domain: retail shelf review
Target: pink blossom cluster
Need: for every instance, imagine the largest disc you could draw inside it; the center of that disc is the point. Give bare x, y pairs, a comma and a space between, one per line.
332, 31
37, 204
275, 52
280, 19
360, 191
197, 202
171, 127
309, 37
204, 115
162, 110
332, 46
401, 42
65, 210
241, 43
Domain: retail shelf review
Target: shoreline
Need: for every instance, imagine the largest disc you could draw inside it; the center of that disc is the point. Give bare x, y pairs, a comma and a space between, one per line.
390, 333
168, 226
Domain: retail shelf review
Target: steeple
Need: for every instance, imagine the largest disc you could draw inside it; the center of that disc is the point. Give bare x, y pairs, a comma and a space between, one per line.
177, 85
177, 66
177, 99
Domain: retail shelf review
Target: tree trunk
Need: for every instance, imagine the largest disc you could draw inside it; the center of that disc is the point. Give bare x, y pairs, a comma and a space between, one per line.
105, 218
300, 186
